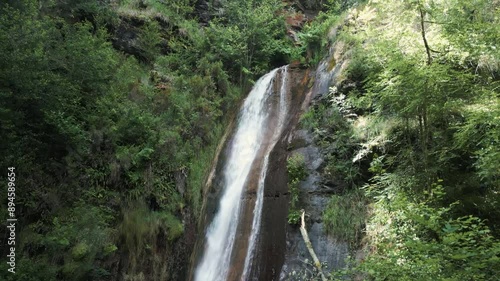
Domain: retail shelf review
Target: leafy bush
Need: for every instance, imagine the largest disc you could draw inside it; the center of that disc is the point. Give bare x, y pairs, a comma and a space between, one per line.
314, 37
414, 240
335, 135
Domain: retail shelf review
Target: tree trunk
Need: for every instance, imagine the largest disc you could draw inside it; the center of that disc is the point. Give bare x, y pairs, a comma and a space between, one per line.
422, 27
305, 236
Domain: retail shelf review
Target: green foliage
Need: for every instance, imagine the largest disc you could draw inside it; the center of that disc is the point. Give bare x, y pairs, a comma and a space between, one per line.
335, 135
74, 241
345, 216
198, 171
310, 119
473, 28
315, 37
79, 251
480, 135
150, 40
242, 44
296, 168
297, 172
139, 222
417, 239
427, 106
294, 216
91, 129
426, 100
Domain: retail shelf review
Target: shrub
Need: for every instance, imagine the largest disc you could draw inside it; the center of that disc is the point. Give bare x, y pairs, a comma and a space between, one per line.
345, 217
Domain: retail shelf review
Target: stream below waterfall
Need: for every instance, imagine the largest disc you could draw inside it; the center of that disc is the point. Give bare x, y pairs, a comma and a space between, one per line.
232, 236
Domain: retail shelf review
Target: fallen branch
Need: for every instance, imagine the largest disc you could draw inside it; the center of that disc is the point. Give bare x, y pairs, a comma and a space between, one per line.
305, 236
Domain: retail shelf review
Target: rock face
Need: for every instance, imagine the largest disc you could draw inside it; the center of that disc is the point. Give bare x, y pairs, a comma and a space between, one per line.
126, 37
314, 198
201, 8
269, 256
314, 195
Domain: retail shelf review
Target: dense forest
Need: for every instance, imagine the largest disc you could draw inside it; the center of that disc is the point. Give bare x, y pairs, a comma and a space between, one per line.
420, 156
112, 111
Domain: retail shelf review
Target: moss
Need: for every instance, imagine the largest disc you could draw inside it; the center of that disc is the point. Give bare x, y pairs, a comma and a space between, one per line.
297, 172
79, 251
331, 63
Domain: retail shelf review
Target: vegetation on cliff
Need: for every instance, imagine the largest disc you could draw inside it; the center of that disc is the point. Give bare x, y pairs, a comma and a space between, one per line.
416, 131
111, 112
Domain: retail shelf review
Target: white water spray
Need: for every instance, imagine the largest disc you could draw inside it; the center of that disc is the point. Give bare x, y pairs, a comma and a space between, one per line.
214, 265
282, 112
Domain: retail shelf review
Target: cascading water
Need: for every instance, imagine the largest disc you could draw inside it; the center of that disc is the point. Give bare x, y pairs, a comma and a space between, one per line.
283, 109
248, 146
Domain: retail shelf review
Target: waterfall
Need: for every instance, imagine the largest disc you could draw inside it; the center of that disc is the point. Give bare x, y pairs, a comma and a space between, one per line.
248, 148
260, 192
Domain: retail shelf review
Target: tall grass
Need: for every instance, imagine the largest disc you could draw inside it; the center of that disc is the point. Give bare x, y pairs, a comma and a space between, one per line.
345, 217
200, 167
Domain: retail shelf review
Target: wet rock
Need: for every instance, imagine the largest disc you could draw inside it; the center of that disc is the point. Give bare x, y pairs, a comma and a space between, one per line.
314, 198
314, 194
305, 135
126, 37
312, 157
300, 138
332, 252
271, 249
180, 177
202, 11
